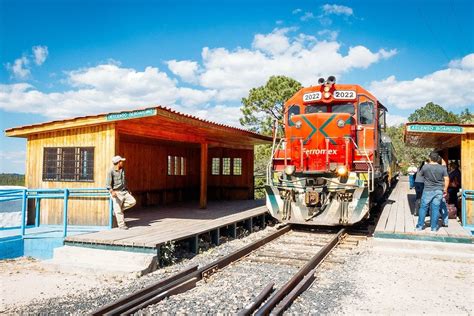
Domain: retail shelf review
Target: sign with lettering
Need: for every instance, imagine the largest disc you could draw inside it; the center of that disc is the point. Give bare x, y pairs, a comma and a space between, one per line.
130, 115
435, 129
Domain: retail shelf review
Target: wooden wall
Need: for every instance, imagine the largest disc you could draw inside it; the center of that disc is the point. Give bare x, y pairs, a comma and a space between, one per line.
147, 172
81, 211
148, 179
467, 171
231, 187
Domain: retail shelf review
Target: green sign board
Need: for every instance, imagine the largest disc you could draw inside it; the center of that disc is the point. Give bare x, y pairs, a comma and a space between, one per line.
435, 129
130, 115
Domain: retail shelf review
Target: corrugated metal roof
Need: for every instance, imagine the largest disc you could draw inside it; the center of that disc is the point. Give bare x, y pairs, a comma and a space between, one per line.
159, 107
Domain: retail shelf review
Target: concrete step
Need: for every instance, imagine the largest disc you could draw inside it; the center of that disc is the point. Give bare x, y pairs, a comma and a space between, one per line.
99, 261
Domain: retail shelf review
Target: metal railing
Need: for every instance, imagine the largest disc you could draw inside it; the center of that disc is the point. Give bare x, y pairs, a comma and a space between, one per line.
467, 195
39, 194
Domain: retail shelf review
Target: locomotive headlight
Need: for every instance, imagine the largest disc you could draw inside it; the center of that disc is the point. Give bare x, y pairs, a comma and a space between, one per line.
341, 123
341, 170
327, 95
298, 124
326, 88
290, 169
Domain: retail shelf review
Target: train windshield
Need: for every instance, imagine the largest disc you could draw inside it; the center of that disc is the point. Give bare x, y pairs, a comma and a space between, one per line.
343, 108
316, 109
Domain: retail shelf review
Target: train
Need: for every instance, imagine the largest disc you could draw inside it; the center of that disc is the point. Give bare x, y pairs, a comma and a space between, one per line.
332, 161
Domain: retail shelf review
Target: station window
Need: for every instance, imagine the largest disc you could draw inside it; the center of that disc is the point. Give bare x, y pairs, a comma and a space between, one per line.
237, 166
176, 166
72, 164
226, 166
216, 166
366, 112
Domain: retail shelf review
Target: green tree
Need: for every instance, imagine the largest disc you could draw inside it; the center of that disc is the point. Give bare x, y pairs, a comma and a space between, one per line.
466, 117
260, 108
432, 112
406, 155
265, 104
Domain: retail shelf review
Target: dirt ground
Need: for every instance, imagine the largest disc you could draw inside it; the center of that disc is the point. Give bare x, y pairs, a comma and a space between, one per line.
25, 279
388, 278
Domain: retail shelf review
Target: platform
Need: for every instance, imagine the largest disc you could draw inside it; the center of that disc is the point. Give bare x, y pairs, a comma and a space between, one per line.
397, 221
151, 227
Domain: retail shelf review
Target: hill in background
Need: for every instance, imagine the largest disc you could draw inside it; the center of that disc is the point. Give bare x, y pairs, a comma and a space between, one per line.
12, 179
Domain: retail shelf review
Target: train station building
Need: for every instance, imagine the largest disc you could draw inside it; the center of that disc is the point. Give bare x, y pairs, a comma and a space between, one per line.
170, 157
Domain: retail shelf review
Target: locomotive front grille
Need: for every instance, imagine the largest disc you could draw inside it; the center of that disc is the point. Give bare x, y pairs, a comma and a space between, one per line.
361, 166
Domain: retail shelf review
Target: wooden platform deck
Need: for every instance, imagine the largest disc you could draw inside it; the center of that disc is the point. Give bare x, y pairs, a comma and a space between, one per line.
397, 221
152, 227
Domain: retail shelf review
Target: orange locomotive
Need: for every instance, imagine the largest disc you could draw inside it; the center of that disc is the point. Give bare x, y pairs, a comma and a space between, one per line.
334, 160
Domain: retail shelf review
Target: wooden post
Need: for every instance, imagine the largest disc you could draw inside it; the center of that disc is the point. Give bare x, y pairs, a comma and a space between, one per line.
203, 195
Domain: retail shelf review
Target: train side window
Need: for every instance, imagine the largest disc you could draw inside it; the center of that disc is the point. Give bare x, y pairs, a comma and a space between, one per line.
382, 123
366, 112
293, 110
316, 109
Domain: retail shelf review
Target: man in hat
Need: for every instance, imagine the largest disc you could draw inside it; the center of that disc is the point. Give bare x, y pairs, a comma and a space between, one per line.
117, 185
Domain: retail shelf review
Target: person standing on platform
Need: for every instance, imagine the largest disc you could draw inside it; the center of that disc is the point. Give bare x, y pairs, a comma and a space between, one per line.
116, 183
419, 185
411, 175
436, 184
454, 183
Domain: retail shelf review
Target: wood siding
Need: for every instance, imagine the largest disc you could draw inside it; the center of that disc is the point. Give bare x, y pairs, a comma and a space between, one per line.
82, 211
467, 172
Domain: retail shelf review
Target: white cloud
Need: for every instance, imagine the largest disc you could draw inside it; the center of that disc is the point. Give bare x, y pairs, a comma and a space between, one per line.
40, 54
337, 9
330, 35
99, 89
187, 70
296, 11
20, 69
307, 16
16, 161
450, 87
395, 120
221, 75
228, 115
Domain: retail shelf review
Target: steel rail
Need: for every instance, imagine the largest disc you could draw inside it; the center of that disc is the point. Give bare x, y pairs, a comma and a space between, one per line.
180, 282
299, 282
250, 308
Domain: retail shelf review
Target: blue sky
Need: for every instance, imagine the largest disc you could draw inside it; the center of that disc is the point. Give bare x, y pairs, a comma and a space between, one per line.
61, 59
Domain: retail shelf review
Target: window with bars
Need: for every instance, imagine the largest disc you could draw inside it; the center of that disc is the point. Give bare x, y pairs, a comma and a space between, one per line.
72, 164
216, 166
226, 166
176, 166
237, 167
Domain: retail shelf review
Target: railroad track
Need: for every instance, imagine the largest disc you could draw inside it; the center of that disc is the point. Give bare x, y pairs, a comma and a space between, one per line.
299, 251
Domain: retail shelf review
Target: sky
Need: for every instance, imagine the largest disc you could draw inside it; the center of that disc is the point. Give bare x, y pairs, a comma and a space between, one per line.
62, 59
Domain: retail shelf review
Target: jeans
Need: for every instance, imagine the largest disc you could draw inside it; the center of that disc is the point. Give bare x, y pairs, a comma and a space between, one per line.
444, 212
419, 189
411, 178
434, 198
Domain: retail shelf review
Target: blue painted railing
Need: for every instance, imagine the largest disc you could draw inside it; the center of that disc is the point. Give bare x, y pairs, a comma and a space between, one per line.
65, 194
467, 195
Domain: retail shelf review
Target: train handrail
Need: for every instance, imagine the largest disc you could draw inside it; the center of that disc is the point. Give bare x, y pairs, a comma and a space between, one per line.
65, 194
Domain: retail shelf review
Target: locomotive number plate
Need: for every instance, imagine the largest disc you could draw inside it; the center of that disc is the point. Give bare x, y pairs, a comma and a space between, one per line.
312, 97
344, 95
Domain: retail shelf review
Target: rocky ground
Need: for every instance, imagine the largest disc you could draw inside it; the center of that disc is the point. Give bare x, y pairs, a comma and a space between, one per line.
372, 278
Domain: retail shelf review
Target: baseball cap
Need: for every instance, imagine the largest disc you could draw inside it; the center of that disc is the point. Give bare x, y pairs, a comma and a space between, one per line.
117, 159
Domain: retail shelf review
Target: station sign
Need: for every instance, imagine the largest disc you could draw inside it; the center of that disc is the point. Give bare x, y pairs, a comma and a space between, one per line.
131, 114
435, 129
